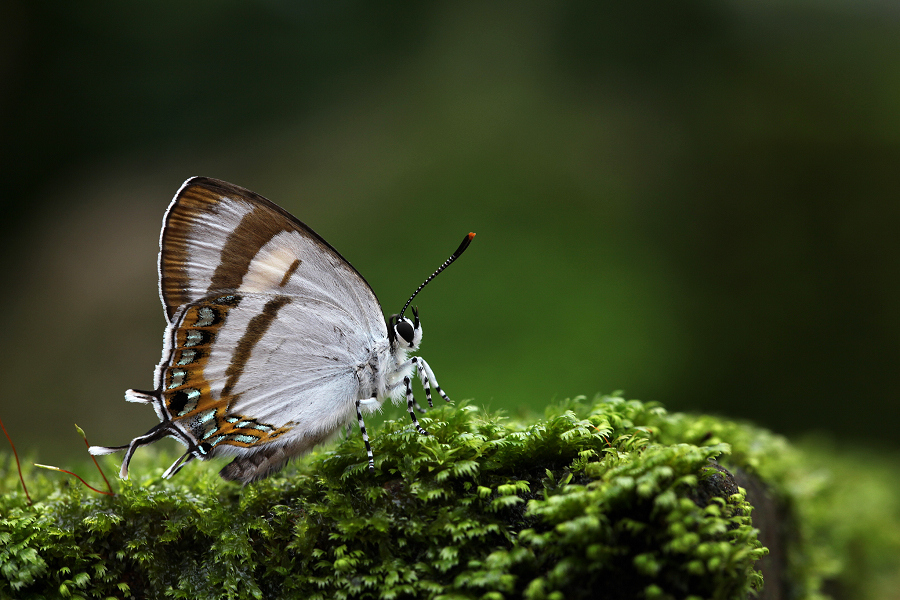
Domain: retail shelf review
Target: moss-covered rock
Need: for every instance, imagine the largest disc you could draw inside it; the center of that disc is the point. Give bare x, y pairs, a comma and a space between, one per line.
599, 499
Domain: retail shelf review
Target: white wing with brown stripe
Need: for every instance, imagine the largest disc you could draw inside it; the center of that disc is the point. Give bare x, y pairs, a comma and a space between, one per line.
219, 237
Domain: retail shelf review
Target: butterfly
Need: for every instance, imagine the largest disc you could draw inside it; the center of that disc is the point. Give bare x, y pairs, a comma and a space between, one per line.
273, 343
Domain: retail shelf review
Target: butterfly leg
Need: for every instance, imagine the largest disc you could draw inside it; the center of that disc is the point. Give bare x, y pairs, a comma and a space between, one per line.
416, 361
365, 436
410, 402
427, 375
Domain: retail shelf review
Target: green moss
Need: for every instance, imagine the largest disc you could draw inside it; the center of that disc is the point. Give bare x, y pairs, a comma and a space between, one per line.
600, 498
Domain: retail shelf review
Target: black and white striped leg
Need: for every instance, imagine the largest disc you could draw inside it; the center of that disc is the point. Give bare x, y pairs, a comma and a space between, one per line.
427, 375
365, 436
417, 363
412, 362
410, 401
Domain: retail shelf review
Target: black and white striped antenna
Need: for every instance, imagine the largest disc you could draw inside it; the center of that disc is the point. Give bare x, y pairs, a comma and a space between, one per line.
462, 248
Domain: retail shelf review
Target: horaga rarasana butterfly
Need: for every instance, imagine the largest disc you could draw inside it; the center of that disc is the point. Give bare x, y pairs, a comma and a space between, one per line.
274, 341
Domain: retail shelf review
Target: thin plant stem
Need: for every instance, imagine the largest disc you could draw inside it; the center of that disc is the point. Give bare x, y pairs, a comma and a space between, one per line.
18, 465
94, 458
52, 468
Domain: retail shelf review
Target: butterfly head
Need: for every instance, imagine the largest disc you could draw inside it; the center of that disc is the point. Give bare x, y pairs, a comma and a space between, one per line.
404, 333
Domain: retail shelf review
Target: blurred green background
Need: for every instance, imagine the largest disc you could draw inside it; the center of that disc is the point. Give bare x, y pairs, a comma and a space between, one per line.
695, 202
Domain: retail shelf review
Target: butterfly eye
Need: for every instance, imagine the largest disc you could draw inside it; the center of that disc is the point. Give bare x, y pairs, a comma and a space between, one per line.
405, 330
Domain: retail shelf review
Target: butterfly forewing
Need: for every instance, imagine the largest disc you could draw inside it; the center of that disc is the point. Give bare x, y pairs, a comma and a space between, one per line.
218, 238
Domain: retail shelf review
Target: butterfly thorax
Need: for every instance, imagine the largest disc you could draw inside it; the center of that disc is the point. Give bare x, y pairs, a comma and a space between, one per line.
388, 366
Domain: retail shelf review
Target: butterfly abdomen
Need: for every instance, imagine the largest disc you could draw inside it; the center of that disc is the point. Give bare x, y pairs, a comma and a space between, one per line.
265, 460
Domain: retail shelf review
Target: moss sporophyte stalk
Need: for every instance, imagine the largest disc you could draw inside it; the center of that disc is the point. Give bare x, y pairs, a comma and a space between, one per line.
608, 498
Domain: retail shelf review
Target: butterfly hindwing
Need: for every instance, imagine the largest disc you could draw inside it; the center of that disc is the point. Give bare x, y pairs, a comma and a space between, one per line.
231, 378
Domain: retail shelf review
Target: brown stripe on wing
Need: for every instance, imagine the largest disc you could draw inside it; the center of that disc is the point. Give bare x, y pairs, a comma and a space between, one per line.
255, 230
214, 424
289, 272
256, 328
